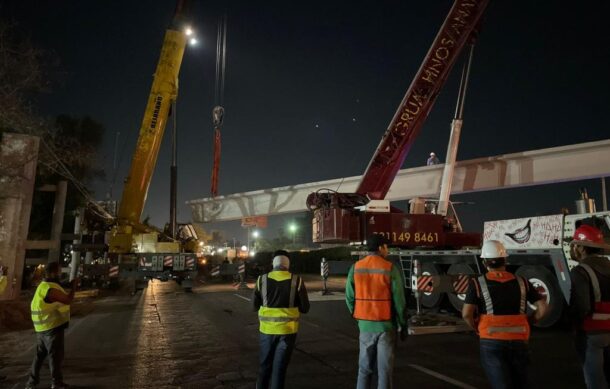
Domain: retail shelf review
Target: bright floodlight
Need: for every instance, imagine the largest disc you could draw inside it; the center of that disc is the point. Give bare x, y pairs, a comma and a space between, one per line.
244, 248
193, 41
220, 250
188, 31
255, 234
252, 253
293, 227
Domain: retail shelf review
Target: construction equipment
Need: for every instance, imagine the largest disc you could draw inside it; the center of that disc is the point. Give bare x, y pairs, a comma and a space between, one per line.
538, 250
143, 252
351, 217
436, 257
219, 111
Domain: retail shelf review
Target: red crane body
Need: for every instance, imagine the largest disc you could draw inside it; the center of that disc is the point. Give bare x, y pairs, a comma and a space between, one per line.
335, 217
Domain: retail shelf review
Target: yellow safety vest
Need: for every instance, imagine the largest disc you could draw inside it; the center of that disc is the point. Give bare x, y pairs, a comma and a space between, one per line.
278, 320
3, 283
47, 316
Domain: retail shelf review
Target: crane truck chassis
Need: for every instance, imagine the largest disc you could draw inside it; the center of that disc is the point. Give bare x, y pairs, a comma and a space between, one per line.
538, 250
136, 251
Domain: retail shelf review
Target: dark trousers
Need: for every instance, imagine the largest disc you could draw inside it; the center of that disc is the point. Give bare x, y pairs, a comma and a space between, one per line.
49, 343
274, 358
505, 363
594, 352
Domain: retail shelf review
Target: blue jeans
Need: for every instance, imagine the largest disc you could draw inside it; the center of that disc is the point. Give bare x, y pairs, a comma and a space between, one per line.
274, 358
594, 353
376, 354
505, 363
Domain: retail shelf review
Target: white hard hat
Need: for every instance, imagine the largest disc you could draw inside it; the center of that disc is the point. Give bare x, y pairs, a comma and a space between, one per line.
432, 154
493, 249
281, 261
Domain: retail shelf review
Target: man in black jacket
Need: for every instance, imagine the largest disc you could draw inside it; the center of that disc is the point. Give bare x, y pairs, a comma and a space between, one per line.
590, 304
279, 297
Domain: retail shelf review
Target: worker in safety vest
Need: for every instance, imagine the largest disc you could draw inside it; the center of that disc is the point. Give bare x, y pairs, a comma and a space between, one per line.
3, 279
279, 297
3, 283
590, 304
50, 310
375, 296
500, 299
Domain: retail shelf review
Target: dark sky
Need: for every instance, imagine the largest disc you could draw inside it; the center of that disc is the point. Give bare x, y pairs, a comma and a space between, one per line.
539, 79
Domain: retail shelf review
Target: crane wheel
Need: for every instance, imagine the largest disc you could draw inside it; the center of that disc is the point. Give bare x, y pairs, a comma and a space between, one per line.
457, 300
546, 284
431, 299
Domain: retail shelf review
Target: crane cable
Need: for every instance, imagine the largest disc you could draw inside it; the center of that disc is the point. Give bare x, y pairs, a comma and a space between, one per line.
219, 87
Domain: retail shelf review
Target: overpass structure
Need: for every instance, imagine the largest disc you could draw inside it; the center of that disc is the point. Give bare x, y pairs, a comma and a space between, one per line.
536, 167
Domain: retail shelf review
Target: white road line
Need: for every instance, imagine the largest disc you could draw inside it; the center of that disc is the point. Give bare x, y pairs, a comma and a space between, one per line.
74, 324
442, 377
241, 297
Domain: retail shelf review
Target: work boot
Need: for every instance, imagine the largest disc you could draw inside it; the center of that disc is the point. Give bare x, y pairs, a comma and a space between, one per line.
59, 385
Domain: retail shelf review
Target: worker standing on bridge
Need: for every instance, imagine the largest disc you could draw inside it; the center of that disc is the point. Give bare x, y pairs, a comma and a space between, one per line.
433, 160
590, 304
375, 296
279, 297
502, 325
50, 315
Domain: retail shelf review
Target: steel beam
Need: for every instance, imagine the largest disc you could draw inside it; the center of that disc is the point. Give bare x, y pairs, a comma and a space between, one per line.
536, 167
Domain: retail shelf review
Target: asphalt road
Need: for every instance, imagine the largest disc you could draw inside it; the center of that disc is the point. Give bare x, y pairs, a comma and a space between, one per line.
164, 338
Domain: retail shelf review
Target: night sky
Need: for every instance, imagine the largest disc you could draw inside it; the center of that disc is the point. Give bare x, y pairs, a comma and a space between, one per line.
312, 86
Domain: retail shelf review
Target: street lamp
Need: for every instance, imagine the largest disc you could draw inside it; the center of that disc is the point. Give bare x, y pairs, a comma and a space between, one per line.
255, 235
293, 229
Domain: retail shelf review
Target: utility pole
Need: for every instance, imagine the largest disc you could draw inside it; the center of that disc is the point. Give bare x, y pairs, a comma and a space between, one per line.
604, 198
75, 264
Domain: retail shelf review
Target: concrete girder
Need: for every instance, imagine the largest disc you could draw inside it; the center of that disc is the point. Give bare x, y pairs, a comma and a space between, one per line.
535, 167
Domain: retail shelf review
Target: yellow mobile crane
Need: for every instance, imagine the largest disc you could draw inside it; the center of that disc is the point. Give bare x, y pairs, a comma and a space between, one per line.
143, 252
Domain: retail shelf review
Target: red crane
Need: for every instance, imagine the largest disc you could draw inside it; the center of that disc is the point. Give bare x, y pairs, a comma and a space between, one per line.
336, 218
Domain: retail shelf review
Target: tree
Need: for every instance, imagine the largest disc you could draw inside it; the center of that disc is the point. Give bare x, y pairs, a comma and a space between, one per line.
68, 145
21, 77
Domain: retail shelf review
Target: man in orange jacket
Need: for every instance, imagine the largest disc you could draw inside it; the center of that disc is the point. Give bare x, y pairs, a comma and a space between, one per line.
500, 298
375, 296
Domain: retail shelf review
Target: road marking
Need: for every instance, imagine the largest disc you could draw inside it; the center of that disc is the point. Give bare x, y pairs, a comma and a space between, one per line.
241, 297
442, 377
315, 297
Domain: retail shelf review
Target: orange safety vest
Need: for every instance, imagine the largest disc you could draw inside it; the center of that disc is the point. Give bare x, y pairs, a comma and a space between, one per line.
503, 327
599, 320
373, 285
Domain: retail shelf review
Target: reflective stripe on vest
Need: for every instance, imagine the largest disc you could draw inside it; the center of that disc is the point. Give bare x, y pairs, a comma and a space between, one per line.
279, 320
47, 316
373, 289
503, 327
599, 320
3, 283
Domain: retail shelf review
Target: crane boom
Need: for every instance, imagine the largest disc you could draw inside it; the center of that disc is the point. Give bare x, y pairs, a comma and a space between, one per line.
460, 24
163, 92
351, 217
